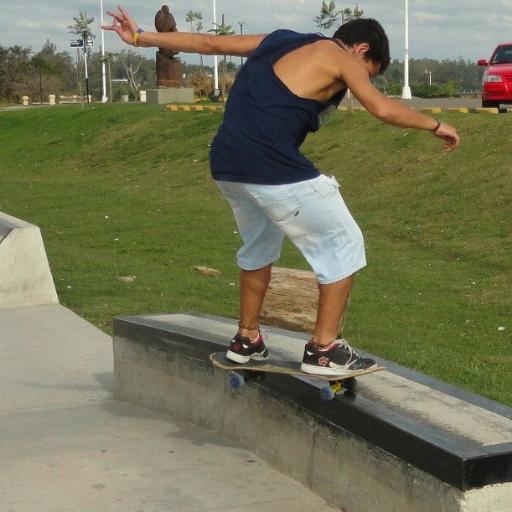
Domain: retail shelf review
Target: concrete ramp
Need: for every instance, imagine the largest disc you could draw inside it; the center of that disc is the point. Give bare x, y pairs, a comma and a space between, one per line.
25, 276
404, 443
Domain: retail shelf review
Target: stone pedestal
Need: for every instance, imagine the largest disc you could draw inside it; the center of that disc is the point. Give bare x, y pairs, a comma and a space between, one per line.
51, 99
25, 100
142, 96
170, 95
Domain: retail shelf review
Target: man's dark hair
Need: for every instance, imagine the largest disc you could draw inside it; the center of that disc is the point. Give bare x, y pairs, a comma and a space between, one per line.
367, 30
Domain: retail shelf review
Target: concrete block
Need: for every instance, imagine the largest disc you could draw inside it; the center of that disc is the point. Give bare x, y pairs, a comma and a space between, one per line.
170, 95
184, 108
431, 110
403, 443
364, 478
255, 418
457, 110
169, 383
172, 108
198, 108
26, 279
485, 111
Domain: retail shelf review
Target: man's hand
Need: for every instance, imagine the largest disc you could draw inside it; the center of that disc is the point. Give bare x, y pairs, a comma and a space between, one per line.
449, 135
206, 44
123, 24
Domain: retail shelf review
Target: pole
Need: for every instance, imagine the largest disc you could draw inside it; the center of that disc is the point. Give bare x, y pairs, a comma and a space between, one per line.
110, 82
79, 82
215, 58
40, 84
406, 91
241, 23
104, 98
86, 71
78, 71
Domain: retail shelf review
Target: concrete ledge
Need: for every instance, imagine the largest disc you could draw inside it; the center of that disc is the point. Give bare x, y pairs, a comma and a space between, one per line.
405, 442
485, 111
439, 110
170, 95
194, 108
344, 108
26, 279
458, 110
431, 110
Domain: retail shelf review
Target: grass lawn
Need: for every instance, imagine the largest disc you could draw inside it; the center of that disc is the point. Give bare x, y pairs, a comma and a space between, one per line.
124, 190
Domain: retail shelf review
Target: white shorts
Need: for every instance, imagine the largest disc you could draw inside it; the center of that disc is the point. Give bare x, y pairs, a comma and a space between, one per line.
312, 214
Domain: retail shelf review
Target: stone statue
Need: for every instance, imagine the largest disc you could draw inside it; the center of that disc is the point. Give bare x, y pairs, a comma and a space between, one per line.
169, 70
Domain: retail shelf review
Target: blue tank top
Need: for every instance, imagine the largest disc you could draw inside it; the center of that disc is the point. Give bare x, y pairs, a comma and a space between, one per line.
265, 123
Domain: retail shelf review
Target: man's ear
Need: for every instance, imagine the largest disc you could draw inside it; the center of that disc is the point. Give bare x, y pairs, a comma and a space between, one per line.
361, 49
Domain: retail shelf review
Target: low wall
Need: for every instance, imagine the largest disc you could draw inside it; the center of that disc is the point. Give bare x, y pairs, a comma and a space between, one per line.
25, 276
403, 443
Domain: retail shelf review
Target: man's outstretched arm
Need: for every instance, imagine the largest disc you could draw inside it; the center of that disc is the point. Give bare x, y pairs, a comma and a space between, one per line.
128, 30
353, 74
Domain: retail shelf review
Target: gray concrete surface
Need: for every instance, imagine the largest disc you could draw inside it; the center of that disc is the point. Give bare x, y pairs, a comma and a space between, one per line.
26, 279
345, 469
67, 446
433, 407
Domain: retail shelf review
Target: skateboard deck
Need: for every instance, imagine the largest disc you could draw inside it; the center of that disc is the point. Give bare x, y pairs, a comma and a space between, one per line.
335, 384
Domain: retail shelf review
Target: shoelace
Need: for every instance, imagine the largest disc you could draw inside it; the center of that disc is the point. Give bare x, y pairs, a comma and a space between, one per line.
343, 343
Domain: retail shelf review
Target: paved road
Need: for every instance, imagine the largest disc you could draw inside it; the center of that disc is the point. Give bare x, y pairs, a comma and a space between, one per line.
67, 446
437, 102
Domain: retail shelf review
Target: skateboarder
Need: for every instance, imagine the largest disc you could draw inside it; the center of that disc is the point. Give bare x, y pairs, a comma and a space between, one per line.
288, 80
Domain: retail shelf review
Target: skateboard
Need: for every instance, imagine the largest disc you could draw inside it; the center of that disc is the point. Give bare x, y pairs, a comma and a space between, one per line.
239, 374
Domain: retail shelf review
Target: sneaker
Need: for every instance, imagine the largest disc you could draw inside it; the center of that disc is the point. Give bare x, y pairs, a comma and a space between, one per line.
242, 349
338, 358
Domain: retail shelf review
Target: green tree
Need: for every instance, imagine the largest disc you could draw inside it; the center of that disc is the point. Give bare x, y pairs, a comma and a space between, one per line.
81, 26
194, 18
16, 73
329, 15
55, 67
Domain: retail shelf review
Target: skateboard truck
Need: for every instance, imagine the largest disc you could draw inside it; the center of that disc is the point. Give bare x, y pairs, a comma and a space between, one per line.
327, 392
239, 374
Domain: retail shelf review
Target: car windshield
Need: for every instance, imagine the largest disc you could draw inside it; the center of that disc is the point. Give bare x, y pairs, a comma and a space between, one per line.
503, 55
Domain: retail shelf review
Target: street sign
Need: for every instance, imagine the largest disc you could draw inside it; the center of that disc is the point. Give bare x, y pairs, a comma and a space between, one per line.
77, 43
90, 42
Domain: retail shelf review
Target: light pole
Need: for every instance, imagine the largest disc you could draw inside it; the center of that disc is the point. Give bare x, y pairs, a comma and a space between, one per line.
406, 91
215, 58
241, 23
104, 98
86, 39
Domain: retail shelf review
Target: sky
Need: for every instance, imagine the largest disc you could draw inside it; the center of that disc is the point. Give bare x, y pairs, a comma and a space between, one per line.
439, 29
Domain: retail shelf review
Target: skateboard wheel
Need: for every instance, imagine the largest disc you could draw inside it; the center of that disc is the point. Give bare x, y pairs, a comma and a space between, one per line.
236, 381
327, 393
350, 384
